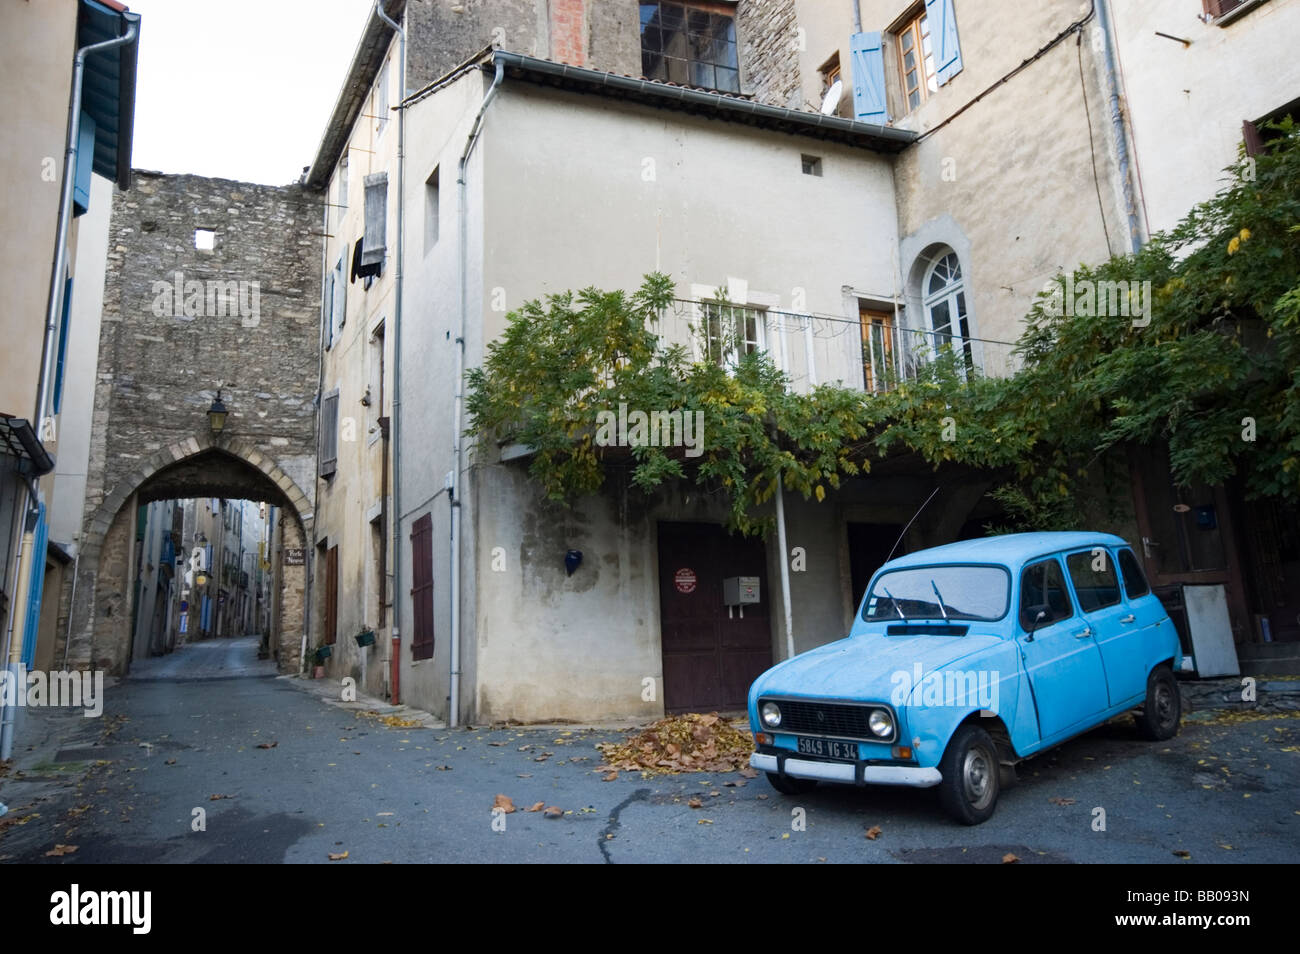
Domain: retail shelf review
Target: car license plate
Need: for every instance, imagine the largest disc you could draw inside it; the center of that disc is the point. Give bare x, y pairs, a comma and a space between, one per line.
829, 749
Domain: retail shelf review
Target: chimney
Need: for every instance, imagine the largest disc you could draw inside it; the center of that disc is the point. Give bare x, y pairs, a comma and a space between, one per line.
569, 32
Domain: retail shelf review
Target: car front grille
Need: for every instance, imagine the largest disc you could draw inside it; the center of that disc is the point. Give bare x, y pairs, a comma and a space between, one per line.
841, 720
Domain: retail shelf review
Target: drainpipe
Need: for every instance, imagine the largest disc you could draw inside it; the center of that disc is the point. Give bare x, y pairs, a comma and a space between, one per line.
14, 640
54, 307
785, 565
396, 510
1122, 146
857, 16
453, 706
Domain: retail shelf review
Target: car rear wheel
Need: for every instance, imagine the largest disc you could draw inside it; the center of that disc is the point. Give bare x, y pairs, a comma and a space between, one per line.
1164, 706
787, 785
971, 783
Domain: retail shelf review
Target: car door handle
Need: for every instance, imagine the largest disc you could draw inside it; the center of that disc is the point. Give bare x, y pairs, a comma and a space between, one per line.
1130, 618
1083, 633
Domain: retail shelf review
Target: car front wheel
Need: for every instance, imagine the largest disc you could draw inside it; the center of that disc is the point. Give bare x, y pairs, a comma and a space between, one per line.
970, 786
788, 785
1164, 706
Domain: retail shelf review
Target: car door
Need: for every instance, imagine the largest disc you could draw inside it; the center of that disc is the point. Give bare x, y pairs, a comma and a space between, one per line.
1094, 580
1061, 657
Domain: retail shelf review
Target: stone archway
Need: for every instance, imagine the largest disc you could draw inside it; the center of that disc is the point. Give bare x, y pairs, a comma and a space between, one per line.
199, 466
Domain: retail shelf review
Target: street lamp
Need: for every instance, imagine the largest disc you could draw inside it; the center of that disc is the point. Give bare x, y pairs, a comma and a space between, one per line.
217, 415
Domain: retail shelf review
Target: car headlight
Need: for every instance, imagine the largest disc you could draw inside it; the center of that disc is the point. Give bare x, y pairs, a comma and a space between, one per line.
880, 723
771, 715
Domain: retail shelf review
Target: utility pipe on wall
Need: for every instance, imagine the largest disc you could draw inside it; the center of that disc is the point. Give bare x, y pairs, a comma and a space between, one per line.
394, 513
785, 568
1122, 145
462, 201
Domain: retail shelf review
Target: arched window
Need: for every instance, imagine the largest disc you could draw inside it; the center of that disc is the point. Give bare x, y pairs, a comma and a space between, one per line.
944, 293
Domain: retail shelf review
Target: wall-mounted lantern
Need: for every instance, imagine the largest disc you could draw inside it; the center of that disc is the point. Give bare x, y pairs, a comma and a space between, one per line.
217, 415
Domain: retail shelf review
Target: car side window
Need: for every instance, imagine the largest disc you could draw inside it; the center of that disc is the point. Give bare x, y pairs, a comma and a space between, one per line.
1092, 573
1135, 584
1042, 587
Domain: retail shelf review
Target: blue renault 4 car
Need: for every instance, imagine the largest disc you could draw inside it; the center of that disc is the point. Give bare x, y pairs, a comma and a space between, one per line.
966, 658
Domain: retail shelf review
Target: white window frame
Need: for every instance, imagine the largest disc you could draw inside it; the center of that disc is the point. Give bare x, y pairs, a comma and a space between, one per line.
958, 334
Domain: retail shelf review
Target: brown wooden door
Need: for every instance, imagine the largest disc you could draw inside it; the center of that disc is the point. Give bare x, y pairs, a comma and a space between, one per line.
331, 595
709, 660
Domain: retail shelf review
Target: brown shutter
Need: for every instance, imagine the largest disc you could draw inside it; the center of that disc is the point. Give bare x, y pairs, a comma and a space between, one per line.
1217, 8
422, 587
331, 595
1254, 141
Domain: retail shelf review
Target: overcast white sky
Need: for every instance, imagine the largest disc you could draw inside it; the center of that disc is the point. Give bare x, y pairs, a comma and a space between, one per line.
239, 89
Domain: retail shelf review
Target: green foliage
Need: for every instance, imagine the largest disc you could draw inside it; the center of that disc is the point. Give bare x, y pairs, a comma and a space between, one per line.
1221, 349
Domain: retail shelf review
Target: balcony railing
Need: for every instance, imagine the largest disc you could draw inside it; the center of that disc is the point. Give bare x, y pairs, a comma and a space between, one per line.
822, 349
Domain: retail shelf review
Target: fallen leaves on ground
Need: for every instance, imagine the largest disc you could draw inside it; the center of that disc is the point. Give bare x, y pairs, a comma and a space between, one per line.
1058, 800
392, 721
685, 743
1010, 859
217, 798
337, 855
58, 851
695, 803
873, 832
611, 776
536, 807
1182, 853
503, 803
267, 745
553, 811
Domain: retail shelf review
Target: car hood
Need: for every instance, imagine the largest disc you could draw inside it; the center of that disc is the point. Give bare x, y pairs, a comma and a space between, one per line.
866, 666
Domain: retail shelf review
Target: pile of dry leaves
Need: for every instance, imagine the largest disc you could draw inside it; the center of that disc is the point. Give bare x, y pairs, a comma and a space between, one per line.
685, 743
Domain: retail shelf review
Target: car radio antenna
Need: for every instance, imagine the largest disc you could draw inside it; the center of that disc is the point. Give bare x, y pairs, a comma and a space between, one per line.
910, 522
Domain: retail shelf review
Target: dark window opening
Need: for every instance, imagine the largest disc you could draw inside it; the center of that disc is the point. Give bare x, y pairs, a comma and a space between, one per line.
690, 44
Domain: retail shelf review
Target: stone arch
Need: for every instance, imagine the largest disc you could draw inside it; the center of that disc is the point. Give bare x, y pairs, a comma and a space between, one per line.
198, 466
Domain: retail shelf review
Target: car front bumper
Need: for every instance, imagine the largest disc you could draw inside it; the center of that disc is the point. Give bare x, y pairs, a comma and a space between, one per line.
911, 775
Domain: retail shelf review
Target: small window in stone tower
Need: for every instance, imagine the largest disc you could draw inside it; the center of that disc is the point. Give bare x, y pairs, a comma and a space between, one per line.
205, 239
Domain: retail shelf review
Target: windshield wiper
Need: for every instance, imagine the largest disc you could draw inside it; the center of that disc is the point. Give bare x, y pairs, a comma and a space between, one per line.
935, 587
897, 609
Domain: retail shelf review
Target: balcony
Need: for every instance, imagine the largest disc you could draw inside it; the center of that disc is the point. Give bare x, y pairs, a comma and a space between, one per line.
869, 355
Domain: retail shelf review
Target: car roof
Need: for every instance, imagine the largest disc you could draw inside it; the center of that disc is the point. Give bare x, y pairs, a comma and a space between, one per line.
1010, 548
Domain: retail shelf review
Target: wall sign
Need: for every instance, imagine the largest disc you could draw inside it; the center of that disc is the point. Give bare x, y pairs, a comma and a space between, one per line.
685, 581
295, 556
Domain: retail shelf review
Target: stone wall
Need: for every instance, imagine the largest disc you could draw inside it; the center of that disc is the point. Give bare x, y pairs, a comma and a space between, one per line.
179, 322
769, 51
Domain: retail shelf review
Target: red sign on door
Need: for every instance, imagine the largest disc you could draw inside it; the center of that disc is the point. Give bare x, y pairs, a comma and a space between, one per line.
684, 580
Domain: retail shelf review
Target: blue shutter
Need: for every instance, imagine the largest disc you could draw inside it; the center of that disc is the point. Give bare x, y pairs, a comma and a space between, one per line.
35, 589
943, 35
63, 347
868, 78
85, 159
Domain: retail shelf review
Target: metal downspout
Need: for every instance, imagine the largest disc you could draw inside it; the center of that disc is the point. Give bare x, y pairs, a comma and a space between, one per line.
785, 568
1122, 146
453, 706
394, 512
857, 16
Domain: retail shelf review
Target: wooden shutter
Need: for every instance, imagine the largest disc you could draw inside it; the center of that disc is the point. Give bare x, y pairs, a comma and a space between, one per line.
376, 219
331, 595
868, 59
943, 36
329, 433
422, 588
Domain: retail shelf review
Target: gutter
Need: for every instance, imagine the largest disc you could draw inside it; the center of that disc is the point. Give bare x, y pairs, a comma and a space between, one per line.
458, 447
881, 138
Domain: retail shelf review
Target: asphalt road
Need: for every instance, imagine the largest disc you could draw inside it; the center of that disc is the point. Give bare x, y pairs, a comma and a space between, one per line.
333, 780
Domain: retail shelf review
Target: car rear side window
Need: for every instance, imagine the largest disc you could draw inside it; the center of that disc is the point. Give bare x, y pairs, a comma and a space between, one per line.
1135, 584
1092, 573
1042, 588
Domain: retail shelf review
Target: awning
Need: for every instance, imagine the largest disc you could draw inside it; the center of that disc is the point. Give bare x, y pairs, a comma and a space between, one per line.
108, 90
17, 439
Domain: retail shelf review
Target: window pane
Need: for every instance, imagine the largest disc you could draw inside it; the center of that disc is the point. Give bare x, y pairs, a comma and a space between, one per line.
969, 592
702, 75
940, 322
728, 81
1042, 589
1135, 584
1093, 576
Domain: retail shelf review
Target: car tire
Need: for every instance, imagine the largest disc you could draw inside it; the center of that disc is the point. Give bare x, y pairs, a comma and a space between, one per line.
971, 776
1160, 716
788, 785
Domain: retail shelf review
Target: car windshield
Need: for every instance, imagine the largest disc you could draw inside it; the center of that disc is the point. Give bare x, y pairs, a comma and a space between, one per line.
939, 592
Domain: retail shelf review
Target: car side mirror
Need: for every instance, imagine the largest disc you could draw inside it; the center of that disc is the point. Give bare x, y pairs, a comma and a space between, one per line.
1040, 614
